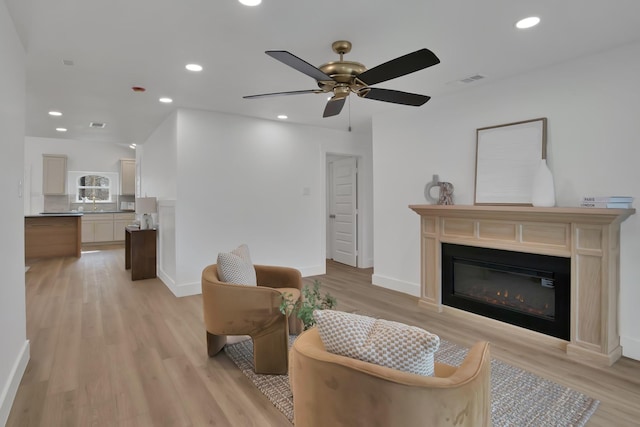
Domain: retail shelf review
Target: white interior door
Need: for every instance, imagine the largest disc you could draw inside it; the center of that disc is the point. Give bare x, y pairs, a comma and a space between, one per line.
344, 211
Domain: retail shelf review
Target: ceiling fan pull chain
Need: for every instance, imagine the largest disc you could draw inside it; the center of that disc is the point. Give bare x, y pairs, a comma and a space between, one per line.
349, 114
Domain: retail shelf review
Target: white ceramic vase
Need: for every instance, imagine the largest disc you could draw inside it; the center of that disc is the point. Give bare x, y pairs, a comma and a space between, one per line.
543, 194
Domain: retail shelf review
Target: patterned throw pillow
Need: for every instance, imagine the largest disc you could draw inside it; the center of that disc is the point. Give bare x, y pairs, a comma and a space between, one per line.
236, 267
383, 342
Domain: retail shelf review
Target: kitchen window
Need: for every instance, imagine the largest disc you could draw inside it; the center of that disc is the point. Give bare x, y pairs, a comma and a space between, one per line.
90, 186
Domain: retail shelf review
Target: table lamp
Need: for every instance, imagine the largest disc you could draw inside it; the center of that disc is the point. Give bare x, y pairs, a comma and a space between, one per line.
146, 206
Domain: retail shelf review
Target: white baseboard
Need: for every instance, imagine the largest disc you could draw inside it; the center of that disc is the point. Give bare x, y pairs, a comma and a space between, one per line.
166, 279
630, 347
182, 290
13, 382
187, 289
396, 285
195, 288
367, 263
316, 270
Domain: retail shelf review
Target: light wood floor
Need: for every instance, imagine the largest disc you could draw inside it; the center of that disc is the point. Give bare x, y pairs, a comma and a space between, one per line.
106, 351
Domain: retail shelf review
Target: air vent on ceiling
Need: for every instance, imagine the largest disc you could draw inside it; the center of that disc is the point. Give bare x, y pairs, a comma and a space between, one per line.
472, 79
465, 81
68, 62
97, 125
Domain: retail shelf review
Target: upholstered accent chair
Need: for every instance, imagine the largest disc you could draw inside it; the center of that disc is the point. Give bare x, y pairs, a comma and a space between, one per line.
235, 309
333, 390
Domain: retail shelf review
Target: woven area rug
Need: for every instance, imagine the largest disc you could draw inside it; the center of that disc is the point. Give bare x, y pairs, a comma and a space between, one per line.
519, 398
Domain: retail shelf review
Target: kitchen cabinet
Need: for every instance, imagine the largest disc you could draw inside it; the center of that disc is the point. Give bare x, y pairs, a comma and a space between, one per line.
54, 174
47, 236
120, 221
105, 227
97, 228
127, 177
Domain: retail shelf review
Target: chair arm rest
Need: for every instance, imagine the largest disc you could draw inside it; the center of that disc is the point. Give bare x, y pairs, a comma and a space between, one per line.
278, 277
238, 309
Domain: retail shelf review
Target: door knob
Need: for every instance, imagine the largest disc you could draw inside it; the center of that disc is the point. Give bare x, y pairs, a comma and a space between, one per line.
332, 216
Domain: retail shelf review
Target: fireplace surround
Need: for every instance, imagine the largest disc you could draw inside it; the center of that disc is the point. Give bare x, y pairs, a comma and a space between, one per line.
589, 238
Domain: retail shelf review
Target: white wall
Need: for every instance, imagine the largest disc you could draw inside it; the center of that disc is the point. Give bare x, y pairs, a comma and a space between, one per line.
593, 110
157, 164
14, 351
241, 180
157, 158
81, 156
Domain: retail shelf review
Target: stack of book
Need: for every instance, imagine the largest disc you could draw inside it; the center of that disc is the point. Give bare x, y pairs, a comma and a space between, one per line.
615, 202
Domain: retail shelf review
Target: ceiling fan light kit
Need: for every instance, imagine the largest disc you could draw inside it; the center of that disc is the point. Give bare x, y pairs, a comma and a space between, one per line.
341, 78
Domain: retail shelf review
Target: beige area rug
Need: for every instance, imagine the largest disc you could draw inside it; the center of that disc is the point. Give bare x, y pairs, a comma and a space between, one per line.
519, 398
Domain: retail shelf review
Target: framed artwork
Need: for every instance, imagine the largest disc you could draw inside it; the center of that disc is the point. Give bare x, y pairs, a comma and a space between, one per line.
507, 158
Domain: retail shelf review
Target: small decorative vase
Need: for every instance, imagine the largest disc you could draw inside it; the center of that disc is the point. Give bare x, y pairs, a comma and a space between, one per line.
543, 194
446, 193
147, 222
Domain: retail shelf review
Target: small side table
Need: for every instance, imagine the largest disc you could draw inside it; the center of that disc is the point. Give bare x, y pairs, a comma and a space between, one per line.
140, 253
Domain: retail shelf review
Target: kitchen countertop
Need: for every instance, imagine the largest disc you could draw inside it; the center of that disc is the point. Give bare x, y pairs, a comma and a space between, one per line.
45, 214
99, 212
74, 213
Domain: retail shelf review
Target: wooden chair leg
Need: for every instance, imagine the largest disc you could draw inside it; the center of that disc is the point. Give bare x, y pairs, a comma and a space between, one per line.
215, 343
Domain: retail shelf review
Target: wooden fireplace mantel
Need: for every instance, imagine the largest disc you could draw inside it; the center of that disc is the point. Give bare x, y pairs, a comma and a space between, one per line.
590, 237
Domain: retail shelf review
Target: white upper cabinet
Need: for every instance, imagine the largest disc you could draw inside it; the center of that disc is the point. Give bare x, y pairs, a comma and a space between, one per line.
127, 177
54, 174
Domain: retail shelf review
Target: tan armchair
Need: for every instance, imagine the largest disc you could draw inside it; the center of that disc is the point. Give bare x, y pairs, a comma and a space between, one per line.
333, 390
231, 309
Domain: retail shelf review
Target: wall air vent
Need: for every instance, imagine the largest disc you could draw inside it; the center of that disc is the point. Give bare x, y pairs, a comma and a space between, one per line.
97, 125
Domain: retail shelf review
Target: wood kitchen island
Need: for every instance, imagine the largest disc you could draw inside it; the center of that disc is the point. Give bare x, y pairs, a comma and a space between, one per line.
52, 235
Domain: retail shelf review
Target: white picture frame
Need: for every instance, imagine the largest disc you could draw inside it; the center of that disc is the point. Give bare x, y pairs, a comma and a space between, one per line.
507, 158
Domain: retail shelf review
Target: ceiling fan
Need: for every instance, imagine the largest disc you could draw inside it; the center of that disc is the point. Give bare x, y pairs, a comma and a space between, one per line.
343, 77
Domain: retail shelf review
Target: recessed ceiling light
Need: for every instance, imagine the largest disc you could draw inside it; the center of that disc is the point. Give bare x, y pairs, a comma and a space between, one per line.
529, 22
55, 113
250, 2
132, 146
282, 116
61, 129
166, 100
193, 67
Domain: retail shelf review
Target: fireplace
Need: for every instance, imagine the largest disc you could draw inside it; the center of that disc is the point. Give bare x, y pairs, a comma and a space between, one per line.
587, 238
527, 290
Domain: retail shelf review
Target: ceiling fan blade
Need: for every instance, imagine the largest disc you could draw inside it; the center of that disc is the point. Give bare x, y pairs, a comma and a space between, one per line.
401, 66
294, 92
299, 64
333, 107
395, 96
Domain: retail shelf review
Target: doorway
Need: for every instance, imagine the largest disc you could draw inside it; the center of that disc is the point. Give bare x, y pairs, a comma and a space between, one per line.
342, 209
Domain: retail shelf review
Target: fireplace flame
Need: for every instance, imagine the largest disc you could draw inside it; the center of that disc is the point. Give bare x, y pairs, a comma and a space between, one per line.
482, 292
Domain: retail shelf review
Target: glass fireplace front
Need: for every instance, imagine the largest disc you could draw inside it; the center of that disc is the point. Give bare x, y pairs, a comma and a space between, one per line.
523, 289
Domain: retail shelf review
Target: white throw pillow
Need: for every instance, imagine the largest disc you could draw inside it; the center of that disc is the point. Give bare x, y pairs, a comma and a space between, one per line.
236, 267
383, 342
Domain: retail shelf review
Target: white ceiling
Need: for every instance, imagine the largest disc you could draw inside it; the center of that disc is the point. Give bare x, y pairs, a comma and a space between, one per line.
118, 44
